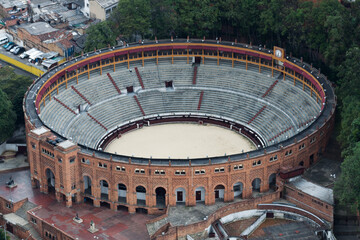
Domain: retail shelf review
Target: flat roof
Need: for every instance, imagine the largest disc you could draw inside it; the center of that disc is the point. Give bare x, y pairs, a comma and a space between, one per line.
12, 3
107, 3
40, 130
15, 219
320, 192
66, 144
39, 28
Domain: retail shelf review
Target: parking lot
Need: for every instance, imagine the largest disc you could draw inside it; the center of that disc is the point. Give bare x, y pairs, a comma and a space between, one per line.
17, 58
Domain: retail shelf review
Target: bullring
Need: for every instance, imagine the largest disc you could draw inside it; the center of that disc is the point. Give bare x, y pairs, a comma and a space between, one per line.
282, 105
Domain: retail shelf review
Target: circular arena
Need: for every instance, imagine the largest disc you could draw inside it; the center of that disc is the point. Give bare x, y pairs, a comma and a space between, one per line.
99, 127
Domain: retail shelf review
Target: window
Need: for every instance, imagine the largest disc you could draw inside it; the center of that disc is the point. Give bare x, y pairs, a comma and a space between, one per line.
86, 161
256, 163
8, 205
118, 168
219, 170
300, 194
73, 186
202, 171
33, 145
33, 220
141, 171
238, 167
302, 146
312, 140
288, 153
47, 152
180, 172
72, 160
59, 159
273, 158
317, 202
100, 164
159, 172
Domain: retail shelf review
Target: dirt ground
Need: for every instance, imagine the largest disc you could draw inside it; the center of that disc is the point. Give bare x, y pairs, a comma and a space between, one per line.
180, 141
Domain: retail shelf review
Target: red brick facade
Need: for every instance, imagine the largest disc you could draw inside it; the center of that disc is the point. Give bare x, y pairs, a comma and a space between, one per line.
310, 203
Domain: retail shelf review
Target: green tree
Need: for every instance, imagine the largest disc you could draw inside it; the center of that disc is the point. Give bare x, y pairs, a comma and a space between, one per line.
2, 235
347, 187
14, 86
163, 18
100, 36
132, 18
7, 117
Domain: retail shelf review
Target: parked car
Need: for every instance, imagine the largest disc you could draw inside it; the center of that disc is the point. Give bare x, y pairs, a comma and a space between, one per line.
10, 47
14, 48
3, 40
19, 50
8, 44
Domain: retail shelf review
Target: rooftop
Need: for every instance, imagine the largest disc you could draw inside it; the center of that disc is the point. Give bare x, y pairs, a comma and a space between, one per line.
39, 28
107, 3
112, 225
322, 193
66, 144
12, 3
40, 130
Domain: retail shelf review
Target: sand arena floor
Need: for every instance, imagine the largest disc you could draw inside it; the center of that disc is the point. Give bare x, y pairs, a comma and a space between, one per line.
180, 141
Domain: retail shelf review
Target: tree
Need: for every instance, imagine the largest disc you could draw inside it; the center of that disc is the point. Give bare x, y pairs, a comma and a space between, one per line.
14, 86
7, 117
163, 20
2, 235
132, 18
100, 36
347, 187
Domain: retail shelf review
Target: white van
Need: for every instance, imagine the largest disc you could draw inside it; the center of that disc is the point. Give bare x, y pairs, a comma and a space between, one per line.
3, 40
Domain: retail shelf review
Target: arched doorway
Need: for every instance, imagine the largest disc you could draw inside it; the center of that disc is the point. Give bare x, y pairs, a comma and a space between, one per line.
141, 195
160, 197
200, 194
272, 181
87, 185
104, 187
122, 193
256, 185
50, 180
180, 195
219, 192
238, 189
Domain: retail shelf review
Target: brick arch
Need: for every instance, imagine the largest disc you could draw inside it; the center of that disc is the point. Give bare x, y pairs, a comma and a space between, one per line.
199, 185
102, 178
142, 185
50, 168
222, 184
232, 185
261, 179
158, 186
87, 175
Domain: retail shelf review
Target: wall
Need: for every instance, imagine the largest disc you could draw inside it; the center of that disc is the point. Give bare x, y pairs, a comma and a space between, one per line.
31, 69
309, 203
96, 11
14, 206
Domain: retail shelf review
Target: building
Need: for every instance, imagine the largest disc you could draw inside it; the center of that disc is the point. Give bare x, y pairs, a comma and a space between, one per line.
42, 36
68, 160
101, 9
311, 197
